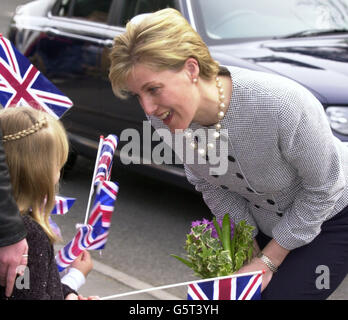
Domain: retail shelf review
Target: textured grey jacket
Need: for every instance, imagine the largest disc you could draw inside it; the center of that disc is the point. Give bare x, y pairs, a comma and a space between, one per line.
286, 171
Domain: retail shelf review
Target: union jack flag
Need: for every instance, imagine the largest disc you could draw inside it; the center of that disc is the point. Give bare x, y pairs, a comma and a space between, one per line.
100, 218
238, 287
109, 145
92, 236
74, 248
63, 205
21, 84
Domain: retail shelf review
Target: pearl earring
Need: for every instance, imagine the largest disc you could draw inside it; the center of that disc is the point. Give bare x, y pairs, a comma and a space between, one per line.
194, 80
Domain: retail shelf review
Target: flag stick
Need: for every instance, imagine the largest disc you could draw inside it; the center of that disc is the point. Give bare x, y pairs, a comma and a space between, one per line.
180, 284
101, 140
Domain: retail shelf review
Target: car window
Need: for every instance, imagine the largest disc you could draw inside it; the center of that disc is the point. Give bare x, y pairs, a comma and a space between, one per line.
135, 7
91, 10
61, 8
232, 19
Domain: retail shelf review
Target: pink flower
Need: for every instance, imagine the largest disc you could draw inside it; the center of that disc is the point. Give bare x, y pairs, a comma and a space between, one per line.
196, 223
210, 225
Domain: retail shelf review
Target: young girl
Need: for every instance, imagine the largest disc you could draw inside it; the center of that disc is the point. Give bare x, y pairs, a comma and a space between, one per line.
36, 148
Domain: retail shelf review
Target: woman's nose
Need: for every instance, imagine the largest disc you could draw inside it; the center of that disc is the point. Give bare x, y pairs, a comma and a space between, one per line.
148, 105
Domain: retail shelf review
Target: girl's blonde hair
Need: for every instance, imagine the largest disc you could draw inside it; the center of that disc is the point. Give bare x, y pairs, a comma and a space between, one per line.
162, 40
36, 147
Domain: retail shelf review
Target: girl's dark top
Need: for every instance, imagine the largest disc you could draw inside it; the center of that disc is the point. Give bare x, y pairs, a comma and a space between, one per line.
44, 280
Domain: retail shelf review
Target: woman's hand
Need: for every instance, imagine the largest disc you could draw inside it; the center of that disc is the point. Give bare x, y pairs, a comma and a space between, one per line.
274, 252
83, 263
256, 249
257, 264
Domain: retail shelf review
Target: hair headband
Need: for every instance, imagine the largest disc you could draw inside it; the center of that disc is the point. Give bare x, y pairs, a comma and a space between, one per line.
26, 132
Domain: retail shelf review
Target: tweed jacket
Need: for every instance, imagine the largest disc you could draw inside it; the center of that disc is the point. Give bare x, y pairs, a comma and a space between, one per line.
286, 172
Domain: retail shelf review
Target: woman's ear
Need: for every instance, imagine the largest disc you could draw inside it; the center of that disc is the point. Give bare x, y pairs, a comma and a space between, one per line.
192, 67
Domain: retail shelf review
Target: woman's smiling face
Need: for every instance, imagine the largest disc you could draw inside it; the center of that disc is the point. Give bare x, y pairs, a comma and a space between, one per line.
168, 95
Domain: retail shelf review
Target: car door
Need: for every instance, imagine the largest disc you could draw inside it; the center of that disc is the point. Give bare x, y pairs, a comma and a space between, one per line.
70, 53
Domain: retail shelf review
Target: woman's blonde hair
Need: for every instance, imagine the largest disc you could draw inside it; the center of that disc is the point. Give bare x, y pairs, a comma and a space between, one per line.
162, 40
36, 147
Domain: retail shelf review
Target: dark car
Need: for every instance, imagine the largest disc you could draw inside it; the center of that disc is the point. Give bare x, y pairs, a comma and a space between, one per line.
70, 40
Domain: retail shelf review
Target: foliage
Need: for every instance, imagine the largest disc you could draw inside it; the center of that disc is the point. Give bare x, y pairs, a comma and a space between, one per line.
220, 254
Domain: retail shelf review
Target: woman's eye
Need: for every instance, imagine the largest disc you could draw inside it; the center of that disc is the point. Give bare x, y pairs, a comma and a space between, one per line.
153, 90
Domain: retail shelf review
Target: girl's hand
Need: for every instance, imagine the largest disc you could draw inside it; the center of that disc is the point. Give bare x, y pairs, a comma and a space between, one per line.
71, 296
256, 264
83, 263
88, 298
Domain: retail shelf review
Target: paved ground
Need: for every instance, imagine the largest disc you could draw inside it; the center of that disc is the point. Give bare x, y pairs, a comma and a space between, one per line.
342, 292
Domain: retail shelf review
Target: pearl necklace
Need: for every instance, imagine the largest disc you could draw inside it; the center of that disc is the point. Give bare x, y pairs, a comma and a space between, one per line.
222, 109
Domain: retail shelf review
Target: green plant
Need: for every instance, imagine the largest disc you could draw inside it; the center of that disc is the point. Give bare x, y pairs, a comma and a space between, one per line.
217, 248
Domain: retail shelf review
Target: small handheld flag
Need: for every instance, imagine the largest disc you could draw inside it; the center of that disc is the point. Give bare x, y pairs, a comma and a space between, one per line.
100, 218
21, 84
105, 160
93, 235
103, 164
247, 287
63, 205
250, 275
74, 248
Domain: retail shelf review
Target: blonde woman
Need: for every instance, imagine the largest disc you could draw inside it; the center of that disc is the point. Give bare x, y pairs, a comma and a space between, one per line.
36, 149
286, 173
